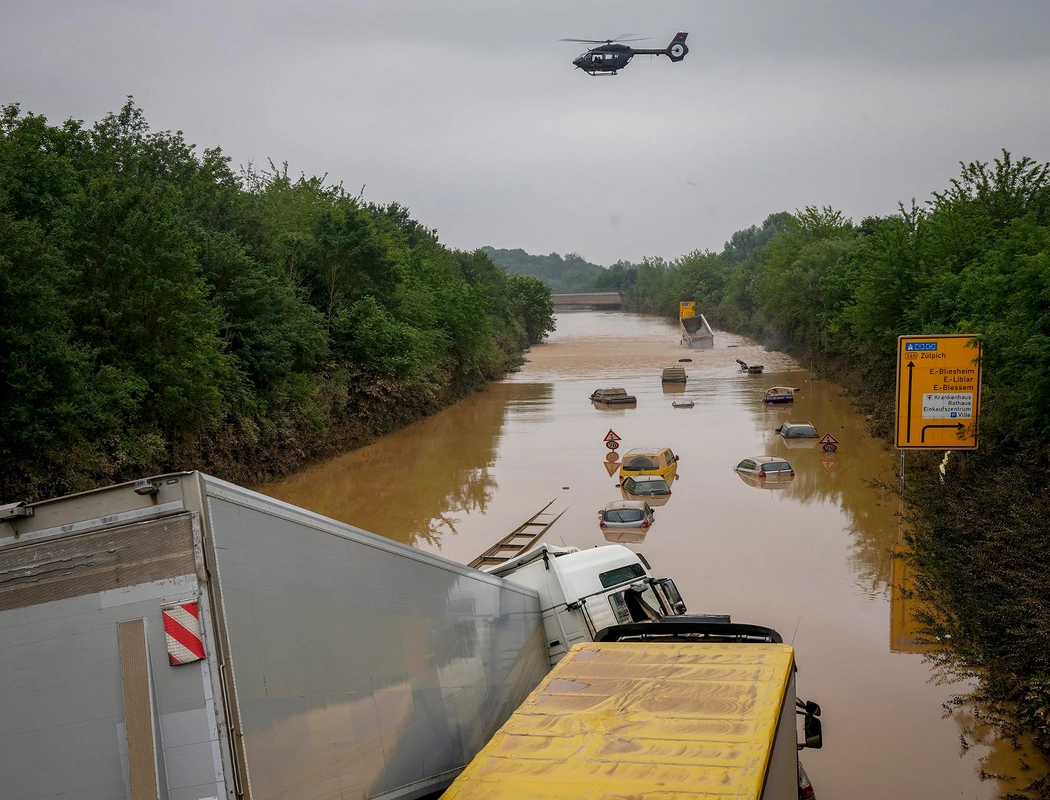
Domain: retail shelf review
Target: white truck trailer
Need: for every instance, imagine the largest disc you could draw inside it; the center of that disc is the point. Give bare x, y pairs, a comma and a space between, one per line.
183, 638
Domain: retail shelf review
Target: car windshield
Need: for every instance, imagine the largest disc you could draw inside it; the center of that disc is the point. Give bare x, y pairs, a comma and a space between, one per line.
624, 515
799, 431
650, 487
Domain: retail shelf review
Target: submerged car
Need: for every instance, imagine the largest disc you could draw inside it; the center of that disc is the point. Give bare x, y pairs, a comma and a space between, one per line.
645, 486
653, 488
626, 514
798, 430
766, 468
649, 461
780, 394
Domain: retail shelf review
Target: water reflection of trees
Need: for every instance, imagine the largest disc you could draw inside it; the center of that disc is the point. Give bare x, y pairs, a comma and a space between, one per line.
411, 486
857, 478
978, 538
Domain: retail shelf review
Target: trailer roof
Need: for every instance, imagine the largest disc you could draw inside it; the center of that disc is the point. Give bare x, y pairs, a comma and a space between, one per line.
661, 719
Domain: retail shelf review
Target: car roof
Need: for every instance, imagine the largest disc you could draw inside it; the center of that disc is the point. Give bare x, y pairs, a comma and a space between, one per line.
638, 504
766, 459
645, 451
645, 478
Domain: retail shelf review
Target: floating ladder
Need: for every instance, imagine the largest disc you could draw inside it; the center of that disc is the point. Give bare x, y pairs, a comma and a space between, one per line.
520, 539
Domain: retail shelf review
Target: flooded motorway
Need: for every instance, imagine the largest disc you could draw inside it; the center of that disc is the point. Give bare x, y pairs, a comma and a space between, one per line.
811, 558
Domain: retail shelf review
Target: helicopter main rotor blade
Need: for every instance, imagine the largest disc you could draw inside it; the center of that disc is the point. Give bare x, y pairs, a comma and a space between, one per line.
608, 41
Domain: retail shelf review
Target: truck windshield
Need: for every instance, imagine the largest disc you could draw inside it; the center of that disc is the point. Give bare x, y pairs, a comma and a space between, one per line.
629, 572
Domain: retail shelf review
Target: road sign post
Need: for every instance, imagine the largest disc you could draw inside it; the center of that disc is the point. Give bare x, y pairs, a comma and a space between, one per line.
938, 392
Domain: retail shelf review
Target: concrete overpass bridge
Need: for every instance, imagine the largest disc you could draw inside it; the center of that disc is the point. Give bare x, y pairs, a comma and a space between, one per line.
585, 301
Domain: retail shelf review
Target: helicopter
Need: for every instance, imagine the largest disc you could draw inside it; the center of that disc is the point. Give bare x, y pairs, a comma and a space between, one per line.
612, 55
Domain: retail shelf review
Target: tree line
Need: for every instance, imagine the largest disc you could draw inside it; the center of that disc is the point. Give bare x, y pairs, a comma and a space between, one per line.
973, 259
159, 310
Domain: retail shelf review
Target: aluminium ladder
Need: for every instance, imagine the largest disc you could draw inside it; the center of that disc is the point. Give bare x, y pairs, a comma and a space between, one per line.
520, 539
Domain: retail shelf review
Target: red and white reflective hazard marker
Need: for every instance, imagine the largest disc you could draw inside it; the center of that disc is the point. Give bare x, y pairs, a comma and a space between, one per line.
182, 629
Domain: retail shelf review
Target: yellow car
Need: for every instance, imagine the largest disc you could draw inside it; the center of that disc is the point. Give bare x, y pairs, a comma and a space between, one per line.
650, 461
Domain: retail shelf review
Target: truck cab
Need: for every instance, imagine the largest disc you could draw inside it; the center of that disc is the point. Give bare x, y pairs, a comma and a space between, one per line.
583, 592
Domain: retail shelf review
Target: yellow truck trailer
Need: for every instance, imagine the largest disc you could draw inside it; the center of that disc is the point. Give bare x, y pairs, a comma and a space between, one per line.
675, 710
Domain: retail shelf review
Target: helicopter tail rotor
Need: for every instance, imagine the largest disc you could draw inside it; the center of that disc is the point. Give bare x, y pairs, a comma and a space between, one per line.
677, 49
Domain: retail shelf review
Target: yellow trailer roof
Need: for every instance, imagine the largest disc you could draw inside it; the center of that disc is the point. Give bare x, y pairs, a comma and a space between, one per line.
639, 719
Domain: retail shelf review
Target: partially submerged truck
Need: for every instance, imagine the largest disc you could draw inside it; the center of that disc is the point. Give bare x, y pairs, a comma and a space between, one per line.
682, 708
583, 592
180, 637
697, 333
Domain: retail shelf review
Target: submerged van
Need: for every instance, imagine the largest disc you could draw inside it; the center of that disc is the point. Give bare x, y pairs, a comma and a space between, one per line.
650, 461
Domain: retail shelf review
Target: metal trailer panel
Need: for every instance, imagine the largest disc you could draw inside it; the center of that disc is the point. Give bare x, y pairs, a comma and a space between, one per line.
359, 667
83, 654
655, 719
782, 773
697, 333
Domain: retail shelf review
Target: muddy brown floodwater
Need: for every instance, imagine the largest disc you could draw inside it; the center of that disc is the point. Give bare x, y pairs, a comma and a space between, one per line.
811, 559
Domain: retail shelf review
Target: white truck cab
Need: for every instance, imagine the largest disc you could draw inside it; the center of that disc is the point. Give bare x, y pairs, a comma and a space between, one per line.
584, 591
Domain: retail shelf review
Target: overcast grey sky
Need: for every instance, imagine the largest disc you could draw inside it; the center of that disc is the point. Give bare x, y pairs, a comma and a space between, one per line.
472, 116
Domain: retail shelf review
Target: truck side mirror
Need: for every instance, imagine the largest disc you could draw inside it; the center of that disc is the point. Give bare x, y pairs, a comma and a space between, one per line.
812, 729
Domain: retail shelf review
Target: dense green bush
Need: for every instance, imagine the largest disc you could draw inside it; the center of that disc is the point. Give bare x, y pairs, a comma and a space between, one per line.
158, 311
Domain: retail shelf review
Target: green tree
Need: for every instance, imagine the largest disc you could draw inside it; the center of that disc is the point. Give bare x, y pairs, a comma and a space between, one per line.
531, 303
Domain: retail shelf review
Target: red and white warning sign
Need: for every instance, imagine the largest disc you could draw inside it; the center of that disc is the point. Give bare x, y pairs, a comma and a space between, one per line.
182, 629
829, 443
611, 436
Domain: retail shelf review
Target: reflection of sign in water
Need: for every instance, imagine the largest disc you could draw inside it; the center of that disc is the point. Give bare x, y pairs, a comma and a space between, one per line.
904, 630
828, 462
938, 392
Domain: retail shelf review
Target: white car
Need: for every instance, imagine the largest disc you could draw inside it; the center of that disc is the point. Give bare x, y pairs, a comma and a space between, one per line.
766, 468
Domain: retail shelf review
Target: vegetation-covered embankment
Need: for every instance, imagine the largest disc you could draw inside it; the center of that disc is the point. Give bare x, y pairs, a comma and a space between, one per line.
974, 259
159, 311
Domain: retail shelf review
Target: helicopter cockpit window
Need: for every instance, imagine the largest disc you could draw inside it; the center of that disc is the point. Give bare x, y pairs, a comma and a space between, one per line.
597, 56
